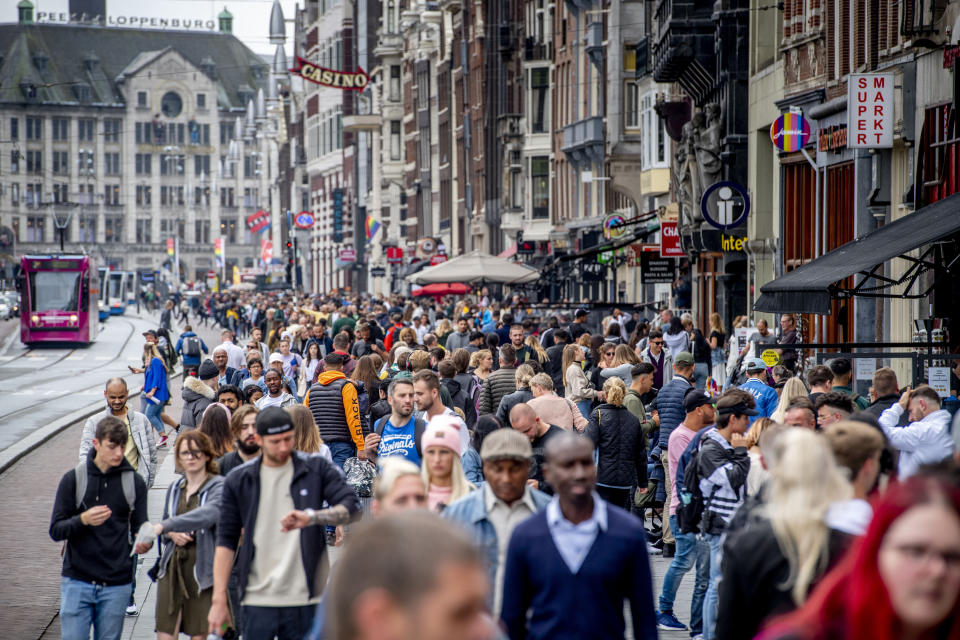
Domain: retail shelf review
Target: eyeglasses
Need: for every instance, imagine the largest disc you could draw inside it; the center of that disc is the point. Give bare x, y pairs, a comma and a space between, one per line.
609, 354
186, 454
656, 342
920, 553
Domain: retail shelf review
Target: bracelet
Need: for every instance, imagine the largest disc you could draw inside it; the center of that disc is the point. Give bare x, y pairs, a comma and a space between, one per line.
312, 515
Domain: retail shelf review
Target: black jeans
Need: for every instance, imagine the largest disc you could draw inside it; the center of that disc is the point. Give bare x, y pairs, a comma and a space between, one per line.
616, 497
284, 623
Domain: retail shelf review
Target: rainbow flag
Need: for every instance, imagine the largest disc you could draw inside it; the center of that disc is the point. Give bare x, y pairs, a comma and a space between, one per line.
170, 247
372, 227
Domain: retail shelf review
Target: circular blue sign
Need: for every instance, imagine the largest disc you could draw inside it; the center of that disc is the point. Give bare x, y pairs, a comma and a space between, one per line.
725, 205
304, 220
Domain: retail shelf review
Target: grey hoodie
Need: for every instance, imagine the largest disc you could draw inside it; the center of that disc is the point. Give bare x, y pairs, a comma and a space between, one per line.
200, 523
197, 396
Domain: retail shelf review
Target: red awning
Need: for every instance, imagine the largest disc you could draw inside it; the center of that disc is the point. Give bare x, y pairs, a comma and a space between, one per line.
509, 252
443, 289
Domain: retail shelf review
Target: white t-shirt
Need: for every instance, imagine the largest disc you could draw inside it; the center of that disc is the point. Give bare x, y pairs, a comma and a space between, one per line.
276, 577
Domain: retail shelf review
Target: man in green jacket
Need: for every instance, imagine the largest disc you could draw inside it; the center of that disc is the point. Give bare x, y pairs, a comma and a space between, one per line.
642, 382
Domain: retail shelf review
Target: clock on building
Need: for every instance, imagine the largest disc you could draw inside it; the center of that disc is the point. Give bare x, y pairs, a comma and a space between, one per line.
171, 105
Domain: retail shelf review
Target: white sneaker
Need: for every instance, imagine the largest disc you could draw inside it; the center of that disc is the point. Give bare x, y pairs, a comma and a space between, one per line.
132, 609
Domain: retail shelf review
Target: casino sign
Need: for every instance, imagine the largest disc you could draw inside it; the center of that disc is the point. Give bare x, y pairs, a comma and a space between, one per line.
356, 81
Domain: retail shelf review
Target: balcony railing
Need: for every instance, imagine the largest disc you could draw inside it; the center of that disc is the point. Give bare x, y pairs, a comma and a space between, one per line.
583, 141
594, 45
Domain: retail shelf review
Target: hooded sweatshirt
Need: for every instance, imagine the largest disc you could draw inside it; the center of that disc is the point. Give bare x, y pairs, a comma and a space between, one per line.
197, 396
98, 554
333, 402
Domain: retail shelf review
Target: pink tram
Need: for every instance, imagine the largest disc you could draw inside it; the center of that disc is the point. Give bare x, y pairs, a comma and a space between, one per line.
58, 298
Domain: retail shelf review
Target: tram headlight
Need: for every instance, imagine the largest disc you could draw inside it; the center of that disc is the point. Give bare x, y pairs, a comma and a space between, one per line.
73, 319
35, 319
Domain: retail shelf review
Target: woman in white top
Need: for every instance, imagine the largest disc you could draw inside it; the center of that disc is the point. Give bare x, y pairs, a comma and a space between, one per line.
576, 385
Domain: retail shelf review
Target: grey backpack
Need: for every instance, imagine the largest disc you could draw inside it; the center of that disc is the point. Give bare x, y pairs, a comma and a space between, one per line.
126, 481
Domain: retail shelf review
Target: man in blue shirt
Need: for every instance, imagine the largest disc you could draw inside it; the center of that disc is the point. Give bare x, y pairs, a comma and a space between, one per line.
399, 433
602, 551
757, 386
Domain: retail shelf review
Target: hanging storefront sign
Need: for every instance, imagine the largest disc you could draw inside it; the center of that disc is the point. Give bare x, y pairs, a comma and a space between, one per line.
355, 80
337, 215
950, 55
440, 258
394, 255
593, 271
266, 251
670, 240
348, 254
377, 272
833, 138
655, 270
258, 221
614, 225
870, 110
790, 132
725, 205
218, 246
304, 220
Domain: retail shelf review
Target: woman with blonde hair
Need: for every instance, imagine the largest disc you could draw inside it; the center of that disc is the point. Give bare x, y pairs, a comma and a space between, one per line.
155, 390
481, 364
522, 377
576, 386
306, 436
757, 474
442, 469
444, 328
621, 455
793, 388
538, 352
771, 565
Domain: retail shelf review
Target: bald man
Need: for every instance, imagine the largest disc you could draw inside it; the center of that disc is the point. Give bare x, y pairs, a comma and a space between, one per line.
525, 420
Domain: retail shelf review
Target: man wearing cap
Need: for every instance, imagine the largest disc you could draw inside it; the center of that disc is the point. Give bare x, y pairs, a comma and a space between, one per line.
282, 572
722, 467
494, 510
699, 414
579, 325
670, 410
333, 401
756, 384
198, 394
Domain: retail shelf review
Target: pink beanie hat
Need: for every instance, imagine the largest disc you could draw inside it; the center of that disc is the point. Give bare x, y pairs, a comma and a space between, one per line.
442, 431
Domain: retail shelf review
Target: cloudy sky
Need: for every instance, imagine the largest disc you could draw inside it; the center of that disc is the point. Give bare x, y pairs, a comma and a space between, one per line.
251, 18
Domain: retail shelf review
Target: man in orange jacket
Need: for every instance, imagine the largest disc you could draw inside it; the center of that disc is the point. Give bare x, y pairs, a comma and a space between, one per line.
335, 407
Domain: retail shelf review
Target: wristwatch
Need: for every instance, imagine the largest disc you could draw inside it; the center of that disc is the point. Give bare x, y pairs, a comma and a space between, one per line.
312, 515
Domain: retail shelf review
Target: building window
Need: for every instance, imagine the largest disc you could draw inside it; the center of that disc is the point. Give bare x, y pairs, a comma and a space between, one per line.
654, 137
201, 230
226, 197
87, 227
111, 163
35, 226
228, 228
143, 230
171, 165
423, 87
60, 194
539, 88
15, 161
111, 195
34, 162
60, 162
540, 183
111, 130
61, 129
85, 129
14, 194
142, 99
143, 194
201, 101
516, 188
226, 132
144, 162
251, 198
14, 128
34, 195
394, 139
34, 128
631, 105
113, 229
86, 194
391, 17
395, 83
201, 165
201, 196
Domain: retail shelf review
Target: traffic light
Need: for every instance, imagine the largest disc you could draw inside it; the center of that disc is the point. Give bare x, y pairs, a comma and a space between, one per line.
290, 259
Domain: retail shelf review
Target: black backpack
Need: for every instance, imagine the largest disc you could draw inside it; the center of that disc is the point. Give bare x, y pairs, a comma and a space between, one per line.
191, 346
690, 508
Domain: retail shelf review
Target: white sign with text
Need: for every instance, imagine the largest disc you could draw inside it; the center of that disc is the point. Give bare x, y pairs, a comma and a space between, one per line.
870, 111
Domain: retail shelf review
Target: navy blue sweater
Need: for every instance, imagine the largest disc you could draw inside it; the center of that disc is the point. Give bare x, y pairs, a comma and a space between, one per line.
588, 604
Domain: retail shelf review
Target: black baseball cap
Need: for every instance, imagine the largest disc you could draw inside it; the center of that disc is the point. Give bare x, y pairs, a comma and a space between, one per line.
272, 421
150, 332
580, 313
694, 399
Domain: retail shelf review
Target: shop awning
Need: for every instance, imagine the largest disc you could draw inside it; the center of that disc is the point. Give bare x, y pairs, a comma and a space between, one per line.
810, 287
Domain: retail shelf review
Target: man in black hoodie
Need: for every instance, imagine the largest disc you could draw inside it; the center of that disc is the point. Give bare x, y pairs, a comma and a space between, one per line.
97, 563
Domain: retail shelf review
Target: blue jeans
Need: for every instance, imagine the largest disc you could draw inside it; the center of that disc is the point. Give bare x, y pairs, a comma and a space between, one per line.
83, 604
690, 552
341, 451
153, 412
284, 623
584, 407
713, 589
701, 371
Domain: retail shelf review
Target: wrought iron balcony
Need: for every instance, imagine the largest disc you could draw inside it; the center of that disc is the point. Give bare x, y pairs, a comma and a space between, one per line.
684, 48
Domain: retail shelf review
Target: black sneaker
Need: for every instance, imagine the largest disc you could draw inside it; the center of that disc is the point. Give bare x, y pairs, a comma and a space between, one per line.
669, 550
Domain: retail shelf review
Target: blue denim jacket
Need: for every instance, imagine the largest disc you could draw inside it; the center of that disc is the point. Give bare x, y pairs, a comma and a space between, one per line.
471, 512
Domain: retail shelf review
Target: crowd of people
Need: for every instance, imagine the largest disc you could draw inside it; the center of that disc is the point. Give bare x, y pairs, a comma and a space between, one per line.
487, 473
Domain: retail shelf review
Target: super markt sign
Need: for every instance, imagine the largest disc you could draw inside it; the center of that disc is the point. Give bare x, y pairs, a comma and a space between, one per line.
870, 111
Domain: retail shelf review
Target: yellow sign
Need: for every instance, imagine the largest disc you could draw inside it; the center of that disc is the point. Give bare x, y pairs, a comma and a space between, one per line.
770, 358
